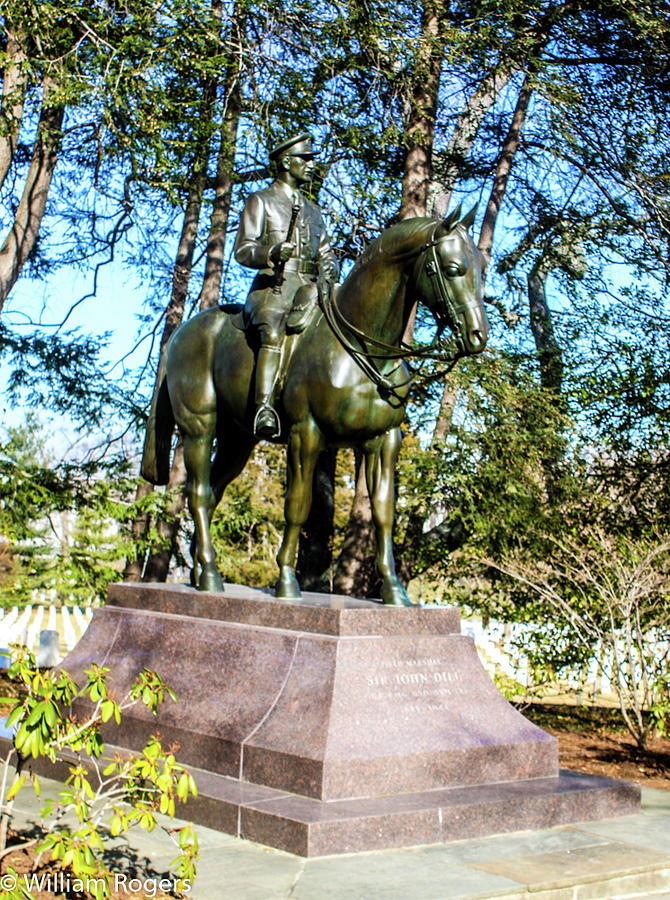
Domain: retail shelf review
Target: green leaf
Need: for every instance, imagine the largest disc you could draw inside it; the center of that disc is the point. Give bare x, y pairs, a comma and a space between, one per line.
14, 716
88, 790
15, 788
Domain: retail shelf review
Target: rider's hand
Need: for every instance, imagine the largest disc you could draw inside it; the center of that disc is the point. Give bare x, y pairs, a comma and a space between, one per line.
279, 253
329, 273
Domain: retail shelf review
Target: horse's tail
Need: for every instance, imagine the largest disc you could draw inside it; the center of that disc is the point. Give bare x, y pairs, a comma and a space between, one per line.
159, 429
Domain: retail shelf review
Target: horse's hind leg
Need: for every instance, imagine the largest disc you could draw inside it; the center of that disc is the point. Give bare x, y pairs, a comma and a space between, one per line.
233, 451
304, 445
198, 462
380, 458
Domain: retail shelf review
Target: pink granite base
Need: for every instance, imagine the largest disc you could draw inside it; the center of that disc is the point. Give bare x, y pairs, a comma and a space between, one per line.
331, 725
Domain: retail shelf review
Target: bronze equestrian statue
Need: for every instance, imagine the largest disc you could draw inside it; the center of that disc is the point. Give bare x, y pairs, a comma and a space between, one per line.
282, 234
342, 380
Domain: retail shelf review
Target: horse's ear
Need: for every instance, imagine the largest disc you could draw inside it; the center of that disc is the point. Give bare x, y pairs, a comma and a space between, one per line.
468, 219
451, 219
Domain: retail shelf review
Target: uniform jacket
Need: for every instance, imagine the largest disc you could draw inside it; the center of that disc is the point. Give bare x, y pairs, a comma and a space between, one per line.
264, 223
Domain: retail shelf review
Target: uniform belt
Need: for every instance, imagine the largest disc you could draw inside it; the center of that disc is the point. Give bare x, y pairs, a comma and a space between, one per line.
302, 266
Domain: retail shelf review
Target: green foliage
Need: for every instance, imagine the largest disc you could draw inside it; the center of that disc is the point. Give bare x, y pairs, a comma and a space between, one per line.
509, 687
61, 525
130, 791
63, 373
496, 477
247, 526
18, 890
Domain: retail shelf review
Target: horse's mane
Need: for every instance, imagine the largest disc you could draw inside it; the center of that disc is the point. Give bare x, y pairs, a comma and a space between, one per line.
399, 236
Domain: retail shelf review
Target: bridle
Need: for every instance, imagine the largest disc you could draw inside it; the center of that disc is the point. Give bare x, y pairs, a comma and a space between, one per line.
442, 299
370, 350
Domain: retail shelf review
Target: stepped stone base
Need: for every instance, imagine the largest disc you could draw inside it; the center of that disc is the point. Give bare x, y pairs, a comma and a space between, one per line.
333, 725
316, 828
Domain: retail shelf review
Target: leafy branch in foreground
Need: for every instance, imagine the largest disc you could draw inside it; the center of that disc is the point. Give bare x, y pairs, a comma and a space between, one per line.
106, 795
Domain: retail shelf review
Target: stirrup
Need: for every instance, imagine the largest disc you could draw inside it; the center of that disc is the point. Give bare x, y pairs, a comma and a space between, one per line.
266, 423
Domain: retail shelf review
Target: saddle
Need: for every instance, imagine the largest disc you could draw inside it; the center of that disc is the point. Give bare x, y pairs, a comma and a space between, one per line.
298, 323
236, 313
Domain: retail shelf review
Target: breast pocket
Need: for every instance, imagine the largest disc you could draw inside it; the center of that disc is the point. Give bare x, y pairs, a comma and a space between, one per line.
313, 233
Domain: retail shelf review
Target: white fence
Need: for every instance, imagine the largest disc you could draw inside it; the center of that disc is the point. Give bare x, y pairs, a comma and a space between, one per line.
500, 648
25, 625
499, 644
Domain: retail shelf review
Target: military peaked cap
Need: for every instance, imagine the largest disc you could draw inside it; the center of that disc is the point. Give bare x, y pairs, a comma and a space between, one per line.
299, 145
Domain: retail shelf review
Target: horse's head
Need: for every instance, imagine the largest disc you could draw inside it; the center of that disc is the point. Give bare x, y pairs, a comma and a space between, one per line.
448, 280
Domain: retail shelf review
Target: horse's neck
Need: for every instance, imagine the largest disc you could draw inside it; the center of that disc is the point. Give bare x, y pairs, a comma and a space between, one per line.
374, 298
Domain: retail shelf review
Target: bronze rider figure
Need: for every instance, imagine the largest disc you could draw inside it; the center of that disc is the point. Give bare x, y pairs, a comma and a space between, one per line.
282, 234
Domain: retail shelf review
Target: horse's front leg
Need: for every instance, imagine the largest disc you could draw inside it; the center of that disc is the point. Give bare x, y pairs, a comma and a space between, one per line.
304, 445
197, 459
380, 458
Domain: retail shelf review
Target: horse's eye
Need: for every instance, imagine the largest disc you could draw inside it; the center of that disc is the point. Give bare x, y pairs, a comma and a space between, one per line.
452, 269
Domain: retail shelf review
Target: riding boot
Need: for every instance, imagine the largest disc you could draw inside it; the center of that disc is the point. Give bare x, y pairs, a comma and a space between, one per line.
266, 423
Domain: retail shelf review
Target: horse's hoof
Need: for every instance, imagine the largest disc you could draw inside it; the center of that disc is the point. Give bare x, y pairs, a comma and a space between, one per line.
394, 594
287, 587
211, 581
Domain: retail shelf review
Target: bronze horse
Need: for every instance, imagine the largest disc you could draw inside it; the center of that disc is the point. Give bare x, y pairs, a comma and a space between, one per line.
345, 385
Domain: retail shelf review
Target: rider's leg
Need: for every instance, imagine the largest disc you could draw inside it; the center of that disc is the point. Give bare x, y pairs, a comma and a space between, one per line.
305, 444
380, 459
266, 423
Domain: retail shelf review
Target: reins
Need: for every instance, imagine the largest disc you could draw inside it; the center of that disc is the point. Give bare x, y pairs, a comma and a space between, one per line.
366, 358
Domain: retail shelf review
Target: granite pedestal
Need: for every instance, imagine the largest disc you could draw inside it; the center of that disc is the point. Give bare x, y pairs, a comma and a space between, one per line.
332, 725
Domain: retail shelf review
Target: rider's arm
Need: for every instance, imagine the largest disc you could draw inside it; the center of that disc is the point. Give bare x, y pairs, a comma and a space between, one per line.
249, 248
327, 262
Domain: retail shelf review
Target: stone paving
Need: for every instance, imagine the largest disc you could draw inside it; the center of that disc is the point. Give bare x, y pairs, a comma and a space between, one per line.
616, 858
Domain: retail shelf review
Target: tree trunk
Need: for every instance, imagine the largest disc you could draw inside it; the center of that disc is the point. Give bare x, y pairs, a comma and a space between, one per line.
316, 539
446, 411
355, 573
465, 133
135, 564
223, 192
450, 532
462, 141
136, 568
223, 187
30, 212
548, 351
523, 51
504, 167
466, 130
420, 131
14, 85
158, 563
173, 319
